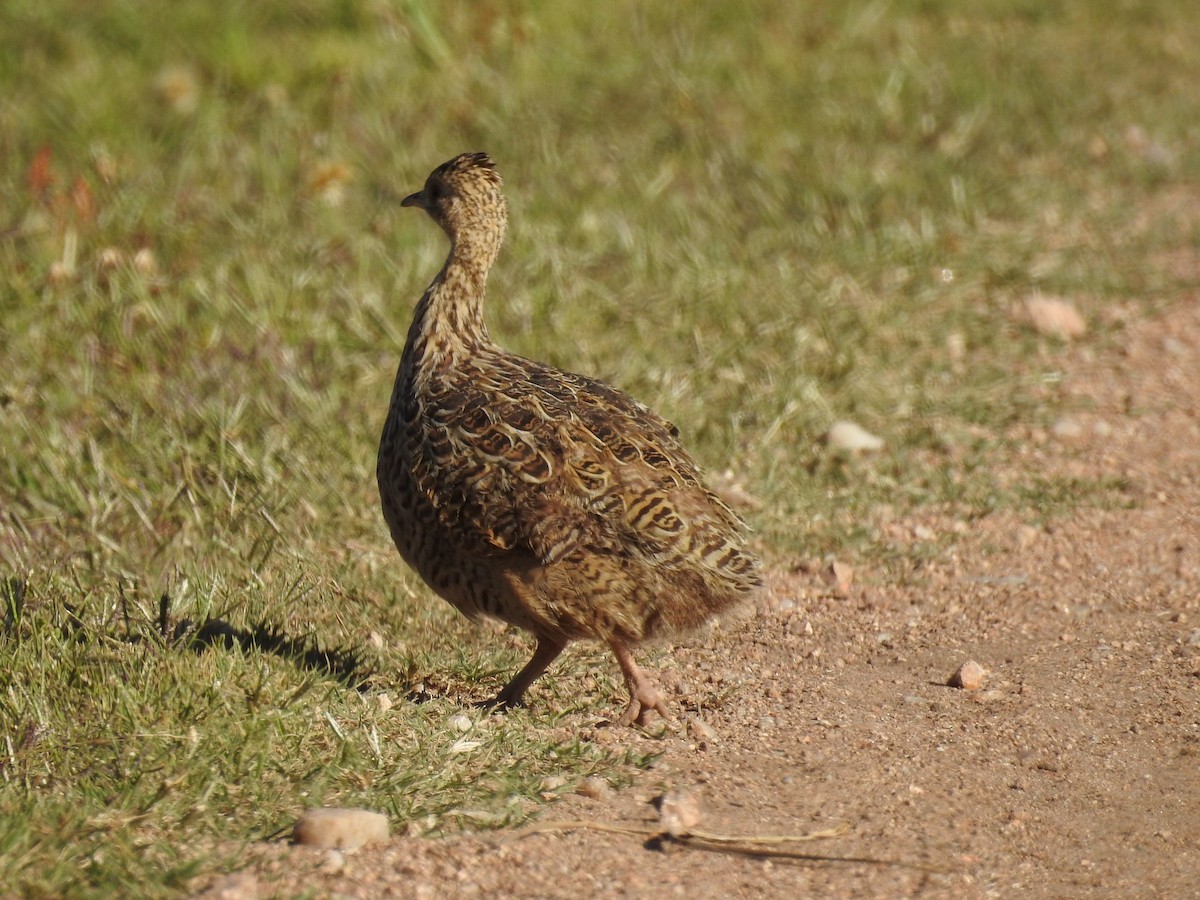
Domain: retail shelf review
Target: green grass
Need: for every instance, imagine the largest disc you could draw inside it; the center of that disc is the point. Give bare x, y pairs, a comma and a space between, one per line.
757, 219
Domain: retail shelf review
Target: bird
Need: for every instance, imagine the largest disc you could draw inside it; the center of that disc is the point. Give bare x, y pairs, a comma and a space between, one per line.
545, 499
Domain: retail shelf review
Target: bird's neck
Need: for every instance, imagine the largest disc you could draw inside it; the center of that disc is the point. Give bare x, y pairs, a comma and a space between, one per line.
449, 317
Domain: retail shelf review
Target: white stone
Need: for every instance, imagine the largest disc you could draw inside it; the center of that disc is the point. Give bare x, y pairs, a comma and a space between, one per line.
340, 828
678, 812
852, 437
1055, 317
593, 787
969, 677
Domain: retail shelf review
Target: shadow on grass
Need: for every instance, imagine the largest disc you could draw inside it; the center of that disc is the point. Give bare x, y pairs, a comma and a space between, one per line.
341, 663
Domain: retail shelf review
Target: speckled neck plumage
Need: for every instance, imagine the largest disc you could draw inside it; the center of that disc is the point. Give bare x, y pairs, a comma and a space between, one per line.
449, 316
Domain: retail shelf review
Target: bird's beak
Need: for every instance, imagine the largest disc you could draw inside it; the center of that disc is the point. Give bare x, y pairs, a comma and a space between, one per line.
417, 199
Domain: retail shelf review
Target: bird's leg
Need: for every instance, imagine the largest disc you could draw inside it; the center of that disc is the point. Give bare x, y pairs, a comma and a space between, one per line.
547, 651
643, 695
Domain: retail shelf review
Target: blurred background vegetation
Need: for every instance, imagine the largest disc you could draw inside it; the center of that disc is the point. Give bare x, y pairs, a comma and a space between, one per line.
757, 218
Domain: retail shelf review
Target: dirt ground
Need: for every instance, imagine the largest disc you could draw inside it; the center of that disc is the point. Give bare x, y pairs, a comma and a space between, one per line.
1073, 770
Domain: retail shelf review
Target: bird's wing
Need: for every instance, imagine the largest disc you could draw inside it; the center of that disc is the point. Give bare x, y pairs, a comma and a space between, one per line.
543, 462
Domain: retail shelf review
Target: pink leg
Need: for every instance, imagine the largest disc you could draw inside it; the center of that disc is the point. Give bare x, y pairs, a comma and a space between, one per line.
547, 651
643, 695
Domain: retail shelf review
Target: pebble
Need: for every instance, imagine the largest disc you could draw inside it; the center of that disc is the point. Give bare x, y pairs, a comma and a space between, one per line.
1027, 536
110, 258
593, 787
461, 722
701, 731
1174, 346
840, 575
956, 345
969, 677
1066, 429
552, 783
145, 263
678, 811
1055, 317
851, 437
340, 828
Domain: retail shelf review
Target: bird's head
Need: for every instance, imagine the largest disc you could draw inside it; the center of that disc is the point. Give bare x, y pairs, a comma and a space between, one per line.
463, 195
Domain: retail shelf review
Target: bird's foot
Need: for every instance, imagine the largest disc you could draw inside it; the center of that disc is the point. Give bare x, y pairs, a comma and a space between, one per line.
642, 699
643, 695
500, 703
512, 695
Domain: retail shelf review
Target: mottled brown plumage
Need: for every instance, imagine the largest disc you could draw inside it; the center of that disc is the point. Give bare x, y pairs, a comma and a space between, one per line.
545, 499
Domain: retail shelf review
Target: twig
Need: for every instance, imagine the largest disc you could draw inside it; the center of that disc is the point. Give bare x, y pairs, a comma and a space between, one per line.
743, 844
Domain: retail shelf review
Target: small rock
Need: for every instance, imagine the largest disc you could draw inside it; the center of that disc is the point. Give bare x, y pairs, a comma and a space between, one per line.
339, 828
145, 263
969, 677
1066, 429
60, 272
678, 812
1055, 317
593, 787
461, 722
851, 437
334, 862
1027, 536
384, 701
956, 345
1174, 346
766, 723
840, 575
551, 783
701, 731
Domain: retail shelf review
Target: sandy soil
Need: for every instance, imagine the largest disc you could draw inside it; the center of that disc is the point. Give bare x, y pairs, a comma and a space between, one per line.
1073, 770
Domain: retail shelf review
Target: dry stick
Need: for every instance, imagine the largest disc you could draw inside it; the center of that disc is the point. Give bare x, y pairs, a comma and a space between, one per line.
649, 831
724, 843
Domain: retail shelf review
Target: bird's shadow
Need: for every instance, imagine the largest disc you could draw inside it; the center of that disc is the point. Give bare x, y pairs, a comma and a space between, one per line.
344, 664
340, 663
